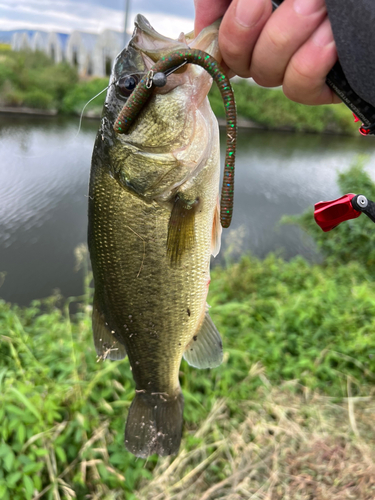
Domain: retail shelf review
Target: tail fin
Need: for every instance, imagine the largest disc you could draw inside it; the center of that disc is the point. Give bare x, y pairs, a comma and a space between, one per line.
154, 424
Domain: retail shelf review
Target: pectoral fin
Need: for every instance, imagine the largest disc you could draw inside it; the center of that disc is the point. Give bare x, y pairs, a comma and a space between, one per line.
216, 231
205, 350
106, 344
181, 228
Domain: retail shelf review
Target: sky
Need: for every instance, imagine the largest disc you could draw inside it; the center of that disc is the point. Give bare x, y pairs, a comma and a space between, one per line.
168, 17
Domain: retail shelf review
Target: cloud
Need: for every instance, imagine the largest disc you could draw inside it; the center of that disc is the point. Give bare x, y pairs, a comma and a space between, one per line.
92, 16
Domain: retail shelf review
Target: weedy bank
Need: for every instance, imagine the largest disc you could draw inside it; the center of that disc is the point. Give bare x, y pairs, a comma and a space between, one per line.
288, 415
31, 79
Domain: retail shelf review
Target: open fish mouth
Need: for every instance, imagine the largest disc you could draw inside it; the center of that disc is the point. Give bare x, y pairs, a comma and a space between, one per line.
148, 46
154, 46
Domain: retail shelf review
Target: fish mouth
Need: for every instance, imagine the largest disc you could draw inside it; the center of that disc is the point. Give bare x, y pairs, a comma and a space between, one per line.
207, 40
146, 47
153, 46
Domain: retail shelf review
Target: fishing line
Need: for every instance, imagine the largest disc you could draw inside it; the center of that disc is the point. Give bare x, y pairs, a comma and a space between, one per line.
75, 136
97, 95
141, 73
85, 106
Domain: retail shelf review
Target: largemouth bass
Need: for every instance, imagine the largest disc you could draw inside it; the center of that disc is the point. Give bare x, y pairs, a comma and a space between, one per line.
153, 225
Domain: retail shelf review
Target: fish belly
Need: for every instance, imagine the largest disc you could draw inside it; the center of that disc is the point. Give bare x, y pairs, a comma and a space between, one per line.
153, 307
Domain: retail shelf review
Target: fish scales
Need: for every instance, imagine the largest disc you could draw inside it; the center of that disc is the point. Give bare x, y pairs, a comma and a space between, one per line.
149, 301
130, 264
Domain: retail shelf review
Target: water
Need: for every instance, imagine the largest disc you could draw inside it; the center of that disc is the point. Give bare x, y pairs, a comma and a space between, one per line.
43, 197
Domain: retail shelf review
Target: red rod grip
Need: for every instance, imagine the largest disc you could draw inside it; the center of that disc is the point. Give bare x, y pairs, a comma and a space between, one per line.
329, 214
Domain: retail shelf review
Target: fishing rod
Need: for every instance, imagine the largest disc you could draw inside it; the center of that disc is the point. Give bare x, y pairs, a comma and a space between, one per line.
329, 214
337, 81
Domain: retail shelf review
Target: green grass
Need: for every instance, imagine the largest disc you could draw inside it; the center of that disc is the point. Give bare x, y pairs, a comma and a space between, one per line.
62, 414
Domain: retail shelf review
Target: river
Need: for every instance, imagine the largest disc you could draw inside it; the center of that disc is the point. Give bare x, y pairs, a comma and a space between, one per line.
44, 173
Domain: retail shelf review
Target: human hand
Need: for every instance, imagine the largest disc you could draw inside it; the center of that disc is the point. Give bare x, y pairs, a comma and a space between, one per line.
293, 47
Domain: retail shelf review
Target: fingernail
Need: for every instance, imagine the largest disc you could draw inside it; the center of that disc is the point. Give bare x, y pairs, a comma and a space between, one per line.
247, 13
308, 7
323, 35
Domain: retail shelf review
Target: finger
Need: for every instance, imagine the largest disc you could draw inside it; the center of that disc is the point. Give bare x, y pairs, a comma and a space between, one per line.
289, 27
207, 12
239, 31
305, 76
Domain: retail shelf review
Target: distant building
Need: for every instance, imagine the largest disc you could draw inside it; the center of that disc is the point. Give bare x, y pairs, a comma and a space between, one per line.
21, 41
108, 45
39, 41
80, 52
6, 36
56, 46
91, 54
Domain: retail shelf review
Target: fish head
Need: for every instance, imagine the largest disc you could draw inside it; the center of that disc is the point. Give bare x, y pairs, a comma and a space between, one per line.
145, 48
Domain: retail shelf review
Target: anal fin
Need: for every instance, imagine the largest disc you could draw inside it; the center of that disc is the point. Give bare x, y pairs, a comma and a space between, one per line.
106, 344
205, 350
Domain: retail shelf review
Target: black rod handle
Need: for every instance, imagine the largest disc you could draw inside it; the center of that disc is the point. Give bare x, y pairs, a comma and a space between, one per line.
338, 82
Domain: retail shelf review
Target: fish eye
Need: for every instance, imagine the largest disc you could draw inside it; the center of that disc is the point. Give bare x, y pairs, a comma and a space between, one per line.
127, 84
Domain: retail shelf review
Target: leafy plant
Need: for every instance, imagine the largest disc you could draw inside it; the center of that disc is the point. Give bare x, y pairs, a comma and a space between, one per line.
32, 79
62, 413
37, 99
80, 94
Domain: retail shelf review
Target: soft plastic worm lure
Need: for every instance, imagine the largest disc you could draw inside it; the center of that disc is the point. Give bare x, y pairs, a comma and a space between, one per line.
157, 77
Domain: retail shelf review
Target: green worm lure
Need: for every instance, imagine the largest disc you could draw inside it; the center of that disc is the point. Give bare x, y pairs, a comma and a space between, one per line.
144, 89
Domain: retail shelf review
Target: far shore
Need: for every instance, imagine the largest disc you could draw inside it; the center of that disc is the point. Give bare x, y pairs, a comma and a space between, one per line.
242, 123
28, 111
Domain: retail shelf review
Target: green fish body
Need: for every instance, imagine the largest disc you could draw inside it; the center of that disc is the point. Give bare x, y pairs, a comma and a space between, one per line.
153, 225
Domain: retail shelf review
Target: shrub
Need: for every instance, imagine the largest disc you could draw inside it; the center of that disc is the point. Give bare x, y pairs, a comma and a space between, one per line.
61, 412
11, 96
38, 99
80, 94
32, 79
